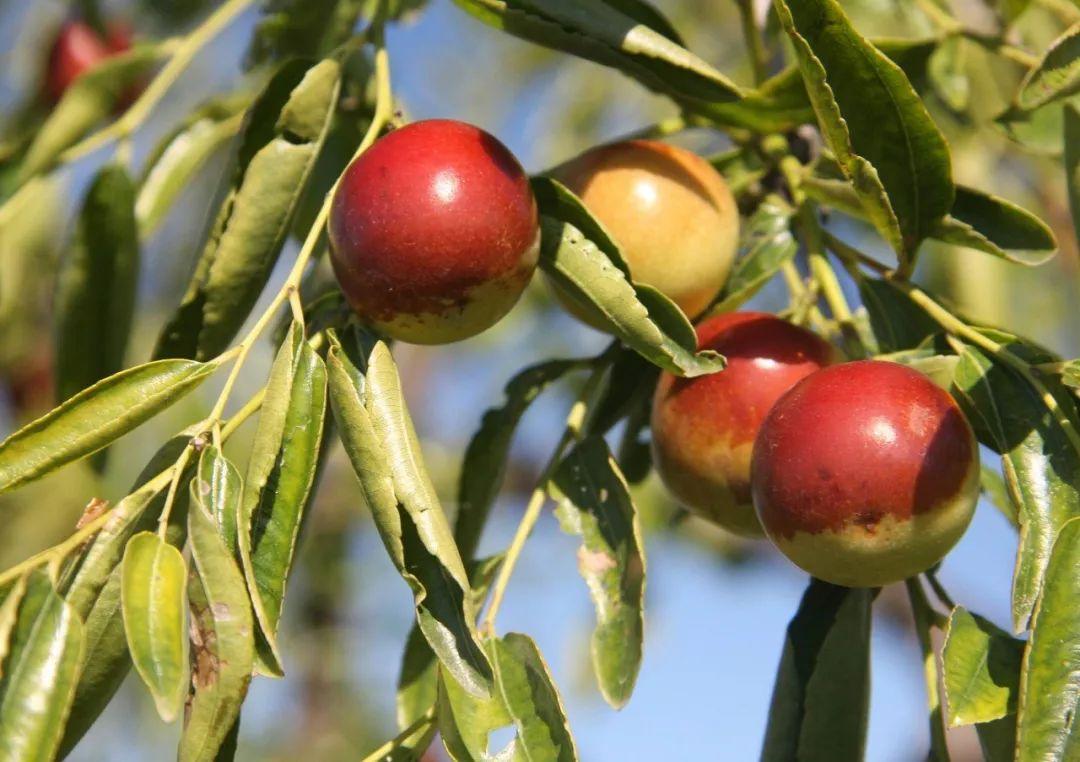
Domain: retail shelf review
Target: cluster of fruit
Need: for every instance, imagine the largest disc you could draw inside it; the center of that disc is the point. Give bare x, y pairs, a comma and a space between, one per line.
862, 473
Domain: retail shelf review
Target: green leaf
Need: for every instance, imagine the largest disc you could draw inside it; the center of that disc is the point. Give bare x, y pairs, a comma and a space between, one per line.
9, 609
595, 503
645, 13
897, 322
93, 586
280, 475
1047, 728
994, 489
379, 440
96, 294
530, 698
220, 487
39, 673
820, 700
982, 669
419, 677
882, 136
1055, 76
285, 131
484, 465
1040, 465
767, 244
466, 722
95, 417
1072, 163
995, 226
89, 100
222, 631
948, 74
598, 31
584, 262
998, 739
153, 595
182, 158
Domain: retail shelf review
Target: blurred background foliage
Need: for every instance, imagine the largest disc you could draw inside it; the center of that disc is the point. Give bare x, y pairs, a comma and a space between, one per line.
716, 606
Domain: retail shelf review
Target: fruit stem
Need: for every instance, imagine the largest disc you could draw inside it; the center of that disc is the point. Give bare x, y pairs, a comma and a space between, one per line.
577, 425
924, 617
385, 751
939, 590
185, 52
961, 330
820, 268
759, 58
61, 550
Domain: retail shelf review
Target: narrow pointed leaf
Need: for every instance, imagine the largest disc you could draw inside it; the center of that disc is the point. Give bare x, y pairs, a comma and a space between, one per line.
601, 32
872, 118
595, 503
9, 609
89, 100
982, 669
152, 588
767, 244
182, 158
96, 417
465, 722
484, 466
285, 131
995, 226
93, 586
585, 263
96, 294
222, 623
39, 673
897, 322
280, 474
1055, 76
530, 698
379, 440
820, 700
418, 679
1049, 721
948, 74
1040, 465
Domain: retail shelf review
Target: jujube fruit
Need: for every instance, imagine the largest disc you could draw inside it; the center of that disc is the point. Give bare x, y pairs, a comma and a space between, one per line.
78, 48
434, 232
703, 428
671, 213
865, 473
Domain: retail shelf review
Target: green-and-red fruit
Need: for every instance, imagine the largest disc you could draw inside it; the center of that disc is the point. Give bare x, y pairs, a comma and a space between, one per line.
703, 428
671, 213
434, 232
865, 473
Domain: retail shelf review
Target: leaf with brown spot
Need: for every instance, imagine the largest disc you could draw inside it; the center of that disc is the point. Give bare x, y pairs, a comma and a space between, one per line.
222, 625
595, 503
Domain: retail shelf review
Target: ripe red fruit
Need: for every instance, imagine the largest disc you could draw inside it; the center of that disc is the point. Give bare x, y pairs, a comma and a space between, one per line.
865, 473
78, 48
703, 428
671, 213
434, 232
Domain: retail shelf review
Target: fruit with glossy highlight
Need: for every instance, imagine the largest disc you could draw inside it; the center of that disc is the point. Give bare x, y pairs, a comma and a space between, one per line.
703, 428
865, 473
434, 232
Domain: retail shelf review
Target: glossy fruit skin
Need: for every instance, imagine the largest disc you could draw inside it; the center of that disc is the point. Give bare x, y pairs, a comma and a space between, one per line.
703, 428
865, 473
671, 213
434, 232
78, 48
